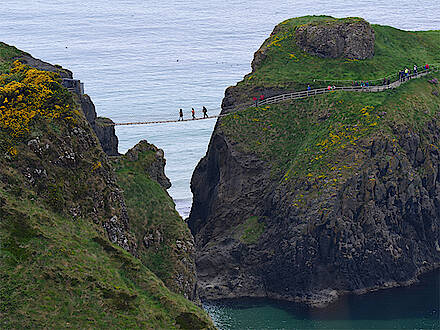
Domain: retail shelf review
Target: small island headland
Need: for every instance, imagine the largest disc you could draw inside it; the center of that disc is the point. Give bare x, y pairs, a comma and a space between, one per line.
309, 199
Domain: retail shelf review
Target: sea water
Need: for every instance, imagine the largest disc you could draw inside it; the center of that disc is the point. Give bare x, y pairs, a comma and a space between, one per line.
144, 60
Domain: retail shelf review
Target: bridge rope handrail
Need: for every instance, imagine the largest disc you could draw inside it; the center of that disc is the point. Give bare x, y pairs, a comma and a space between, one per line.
288, 96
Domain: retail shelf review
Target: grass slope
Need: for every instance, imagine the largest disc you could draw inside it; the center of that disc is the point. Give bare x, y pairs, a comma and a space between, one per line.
153, 212
57, 273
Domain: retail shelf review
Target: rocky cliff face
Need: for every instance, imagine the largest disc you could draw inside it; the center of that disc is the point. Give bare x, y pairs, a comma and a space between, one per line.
274, 219
103, 127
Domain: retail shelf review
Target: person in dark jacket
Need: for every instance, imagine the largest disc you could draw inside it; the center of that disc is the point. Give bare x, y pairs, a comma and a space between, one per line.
180, 115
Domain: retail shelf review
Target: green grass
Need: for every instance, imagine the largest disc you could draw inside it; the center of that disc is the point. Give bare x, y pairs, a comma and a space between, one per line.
250, 231
152, 211
58, 272
7, 53
287, 65
318, 136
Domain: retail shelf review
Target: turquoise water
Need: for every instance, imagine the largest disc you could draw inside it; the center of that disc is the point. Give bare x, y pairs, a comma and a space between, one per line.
143, 60
415, 307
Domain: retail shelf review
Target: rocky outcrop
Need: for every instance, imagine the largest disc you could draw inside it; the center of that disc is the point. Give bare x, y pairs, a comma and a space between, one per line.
164, 241
156, 167
349, 38
103, 127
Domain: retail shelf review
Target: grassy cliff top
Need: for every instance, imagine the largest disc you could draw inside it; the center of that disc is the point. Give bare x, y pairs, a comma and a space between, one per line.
285, 63
305, 137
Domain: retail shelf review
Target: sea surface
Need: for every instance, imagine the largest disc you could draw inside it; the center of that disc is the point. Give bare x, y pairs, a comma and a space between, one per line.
144, 60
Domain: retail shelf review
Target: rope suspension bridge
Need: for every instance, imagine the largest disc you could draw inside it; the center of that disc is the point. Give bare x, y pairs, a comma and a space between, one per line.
290, 96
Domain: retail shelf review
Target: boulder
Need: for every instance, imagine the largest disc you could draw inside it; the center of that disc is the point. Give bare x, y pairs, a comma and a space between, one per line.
349, 38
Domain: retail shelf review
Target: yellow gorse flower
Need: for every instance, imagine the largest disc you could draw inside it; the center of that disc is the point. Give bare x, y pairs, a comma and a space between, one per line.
27, 93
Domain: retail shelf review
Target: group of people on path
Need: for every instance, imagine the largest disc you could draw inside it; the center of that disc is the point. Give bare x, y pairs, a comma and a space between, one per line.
360, 83
256, 99
193, 113
406, 73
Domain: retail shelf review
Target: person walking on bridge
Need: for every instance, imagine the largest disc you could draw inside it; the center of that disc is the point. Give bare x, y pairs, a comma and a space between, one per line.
205, 112
180, 115
193, 112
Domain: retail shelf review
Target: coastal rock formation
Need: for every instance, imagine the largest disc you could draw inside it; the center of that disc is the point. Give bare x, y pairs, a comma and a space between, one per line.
72, 232
164, 241
378, 229
349, 38
156, 166
307, 200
